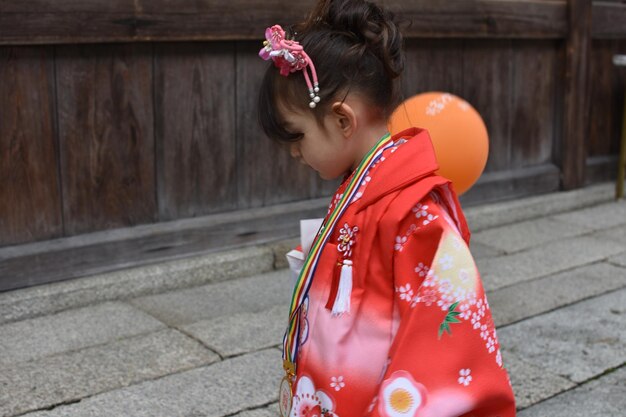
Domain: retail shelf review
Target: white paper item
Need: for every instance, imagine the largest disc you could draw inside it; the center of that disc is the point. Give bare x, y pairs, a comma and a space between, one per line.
308, 231
295, 258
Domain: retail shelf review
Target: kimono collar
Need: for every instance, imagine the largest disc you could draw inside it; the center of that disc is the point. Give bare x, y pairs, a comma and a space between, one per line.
412, 161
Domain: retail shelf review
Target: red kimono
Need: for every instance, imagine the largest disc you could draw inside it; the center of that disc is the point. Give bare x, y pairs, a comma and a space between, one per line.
419, 339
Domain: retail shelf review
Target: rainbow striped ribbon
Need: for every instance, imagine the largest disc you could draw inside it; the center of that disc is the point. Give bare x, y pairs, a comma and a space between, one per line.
303, 284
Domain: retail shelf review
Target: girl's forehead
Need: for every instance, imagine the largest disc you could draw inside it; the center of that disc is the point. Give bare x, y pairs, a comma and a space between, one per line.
291, 115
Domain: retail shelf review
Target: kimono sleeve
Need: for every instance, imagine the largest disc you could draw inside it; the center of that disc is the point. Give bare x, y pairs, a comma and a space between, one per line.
444, 358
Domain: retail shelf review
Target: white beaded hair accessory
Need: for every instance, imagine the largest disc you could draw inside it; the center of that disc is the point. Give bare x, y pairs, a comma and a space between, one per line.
289, 56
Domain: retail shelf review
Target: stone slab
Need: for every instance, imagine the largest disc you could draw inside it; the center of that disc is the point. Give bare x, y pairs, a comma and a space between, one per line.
269, 411
578, 342
531, 383
602, 397
248, 295
70, 330
619, 260
152, 279
617, 234
544, 260
531, 298
242, 333
602, 216
513, 211
528, 234
224, 388
480, 250
71, 376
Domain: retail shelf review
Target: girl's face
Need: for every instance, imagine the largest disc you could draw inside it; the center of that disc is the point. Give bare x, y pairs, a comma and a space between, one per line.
324, 148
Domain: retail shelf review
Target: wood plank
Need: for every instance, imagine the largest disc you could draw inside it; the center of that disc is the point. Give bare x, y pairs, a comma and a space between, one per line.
576, 99
603, 115
106, 136
487, 86
266, 173
67, 21
195, 129
99, 252
30, 200
609, 19
433, 65
600, 169
532, 98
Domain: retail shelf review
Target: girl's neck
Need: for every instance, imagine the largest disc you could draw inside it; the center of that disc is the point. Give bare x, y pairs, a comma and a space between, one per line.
367, 139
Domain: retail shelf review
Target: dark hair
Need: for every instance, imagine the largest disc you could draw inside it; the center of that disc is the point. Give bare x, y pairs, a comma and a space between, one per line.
355, 46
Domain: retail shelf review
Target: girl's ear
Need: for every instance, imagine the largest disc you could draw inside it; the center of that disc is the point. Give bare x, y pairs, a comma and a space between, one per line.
345, 118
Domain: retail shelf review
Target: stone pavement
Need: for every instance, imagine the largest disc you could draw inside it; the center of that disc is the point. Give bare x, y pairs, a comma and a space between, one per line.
164, 342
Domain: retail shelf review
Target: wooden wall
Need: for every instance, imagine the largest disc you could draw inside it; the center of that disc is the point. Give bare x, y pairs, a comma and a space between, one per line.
115, 114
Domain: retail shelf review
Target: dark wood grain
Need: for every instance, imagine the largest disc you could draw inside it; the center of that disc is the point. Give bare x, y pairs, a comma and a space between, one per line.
609, 19
195, 129
433, 65
67, 21
266, 173
487, 85
576, 100
602, 114
30, 201
106, 136
532, 103
608, 83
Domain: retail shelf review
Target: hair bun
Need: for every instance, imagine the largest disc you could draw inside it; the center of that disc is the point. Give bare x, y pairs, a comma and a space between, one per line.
368, 24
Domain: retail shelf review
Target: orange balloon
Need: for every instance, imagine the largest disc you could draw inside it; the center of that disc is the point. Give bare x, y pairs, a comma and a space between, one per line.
458, 133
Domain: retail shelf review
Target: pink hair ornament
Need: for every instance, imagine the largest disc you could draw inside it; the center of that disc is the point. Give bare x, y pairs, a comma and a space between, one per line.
289, 56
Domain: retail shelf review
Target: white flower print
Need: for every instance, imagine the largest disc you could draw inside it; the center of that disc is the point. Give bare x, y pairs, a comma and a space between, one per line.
456, 242
347, 239
445, 286
420, 210
491, 345
446, 262
466, 313
464, 276
484, 333
337, 382
463, 105
465, 376
429, 219
476, 320
421, 269
427, 297
460, 294
438, 104
310, 401
444, 304
406, 293
499, 358
400, 241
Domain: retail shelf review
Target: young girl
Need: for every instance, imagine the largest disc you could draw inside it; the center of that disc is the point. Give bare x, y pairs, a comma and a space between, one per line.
389, 316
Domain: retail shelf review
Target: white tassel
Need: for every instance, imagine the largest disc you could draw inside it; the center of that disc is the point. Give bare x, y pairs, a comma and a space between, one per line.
344, 291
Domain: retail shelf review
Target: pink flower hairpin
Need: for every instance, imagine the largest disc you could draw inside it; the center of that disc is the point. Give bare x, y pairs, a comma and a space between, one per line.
289, 56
